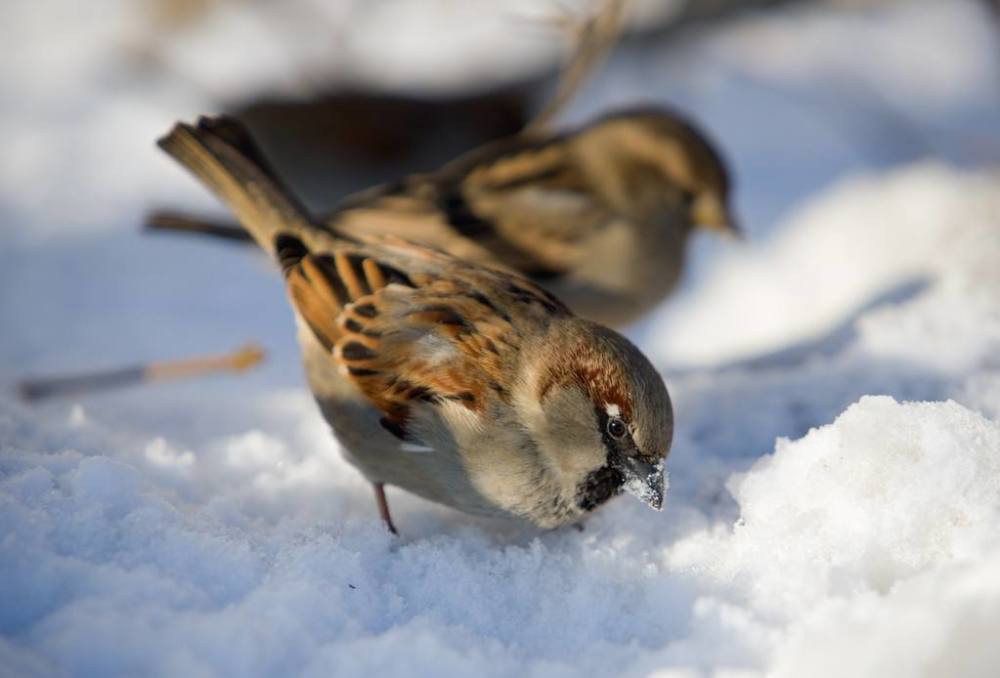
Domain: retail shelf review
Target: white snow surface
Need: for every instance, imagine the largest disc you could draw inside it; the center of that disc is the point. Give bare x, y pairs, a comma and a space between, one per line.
834, 507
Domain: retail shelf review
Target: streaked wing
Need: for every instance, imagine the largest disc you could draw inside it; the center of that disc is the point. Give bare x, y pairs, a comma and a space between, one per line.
410, 326
519, 203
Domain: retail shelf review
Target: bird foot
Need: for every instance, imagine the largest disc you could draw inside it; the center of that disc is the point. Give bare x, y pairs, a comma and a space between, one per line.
383, 508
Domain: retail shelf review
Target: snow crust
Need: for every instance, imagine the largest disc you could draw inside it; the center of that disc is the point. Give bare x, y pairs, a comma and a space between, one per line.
834, 503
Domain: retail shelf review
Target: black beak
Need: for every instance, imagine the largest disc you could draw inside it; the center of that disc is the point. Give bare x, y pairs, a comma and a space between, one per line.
646, 482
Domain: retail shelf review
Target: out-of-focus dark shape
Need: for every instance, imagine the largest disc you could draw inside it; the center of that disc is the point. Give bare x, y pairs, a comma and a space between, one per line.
342, 142
240, 360
353, 139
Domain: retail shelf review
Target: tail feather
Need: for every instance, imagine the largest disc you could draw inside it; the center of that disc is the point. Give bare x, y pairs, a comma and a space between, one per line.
221, 153
177, 222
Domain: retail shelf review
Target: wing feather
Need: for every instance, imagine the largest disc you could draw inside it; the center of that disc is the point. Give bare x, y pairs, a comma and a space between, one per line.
441, 332
521, 203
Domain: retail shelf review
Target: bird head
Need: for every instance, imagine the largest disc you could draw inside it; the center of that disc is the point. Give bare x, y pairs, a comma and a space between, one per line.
601, 417
651, 161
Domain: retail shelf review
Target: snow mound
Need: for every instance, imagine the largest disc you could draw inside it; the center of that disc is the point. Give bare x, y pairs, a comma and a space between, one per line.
870, 545
878, 534
886, 492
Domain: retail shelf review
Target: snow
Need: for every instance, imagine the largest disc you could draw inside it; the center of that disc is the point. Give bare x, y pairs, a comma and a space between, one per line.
925, 224
834, 504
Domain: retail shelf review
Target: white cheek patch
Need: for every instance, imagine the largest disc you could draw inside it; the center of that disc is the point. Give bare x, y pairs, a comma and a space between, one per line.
612, 410
415, 447
434, 349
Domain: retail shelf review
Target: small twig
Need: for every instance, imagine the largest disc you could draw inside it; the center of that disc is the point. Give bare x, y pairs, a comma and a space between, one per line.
240, 360
594, 40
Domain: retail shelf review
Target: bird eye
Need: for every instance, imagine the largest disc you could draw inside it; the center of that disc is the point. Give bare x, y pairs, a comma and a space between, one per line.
617, 428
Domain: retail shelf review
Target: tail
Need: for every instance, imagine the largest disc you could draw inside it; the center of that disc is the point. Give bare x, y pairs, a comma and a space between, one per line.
222, 154
178, 222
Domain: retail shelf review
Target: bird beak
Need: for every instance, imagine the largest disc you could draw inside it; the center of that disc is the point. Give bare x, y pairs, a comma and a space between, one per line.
646, 482
710, 211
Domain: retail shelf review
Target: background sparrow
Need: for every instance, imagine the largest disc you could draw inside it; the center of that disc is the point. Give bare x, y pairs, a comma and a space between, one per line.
466, 385
599, 216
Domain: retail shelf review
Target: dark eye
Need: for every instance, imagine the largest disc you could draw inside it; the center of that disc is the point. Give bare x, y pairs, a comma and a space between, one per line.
617, 428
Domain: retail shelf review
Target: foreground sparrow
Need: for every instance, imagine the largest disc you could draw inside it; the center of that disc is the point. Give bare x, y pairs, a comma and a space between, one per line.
466, 385
600, 217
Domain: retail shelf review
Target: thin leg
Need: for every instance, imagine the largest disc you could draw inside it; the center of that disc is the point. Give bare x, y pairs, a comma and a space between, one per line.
383, 507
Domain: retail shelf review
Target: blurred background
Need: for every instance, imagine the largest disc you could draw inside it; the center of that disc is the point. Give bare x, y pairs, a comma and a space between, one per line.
853, 128
798, 93
344, 95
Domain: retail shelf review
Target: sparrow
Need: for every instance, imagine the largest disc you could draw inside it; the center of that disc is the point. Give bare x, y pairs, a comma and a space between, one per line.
467, 385
599, 216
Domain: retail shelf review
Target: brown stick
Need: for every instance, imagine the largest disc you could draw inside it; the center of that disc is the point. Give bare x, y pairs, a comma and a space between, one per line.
239, 360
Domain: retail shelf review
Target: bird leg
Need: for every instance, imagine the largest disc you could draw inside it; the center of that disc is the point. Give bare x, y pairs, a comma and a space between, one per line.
383, 507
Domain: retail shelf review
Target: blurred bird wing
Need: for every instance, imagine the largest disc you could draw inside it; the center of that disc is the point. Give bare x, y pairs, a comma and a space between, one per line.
519, 203
441, 332
408, 216
543, 228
